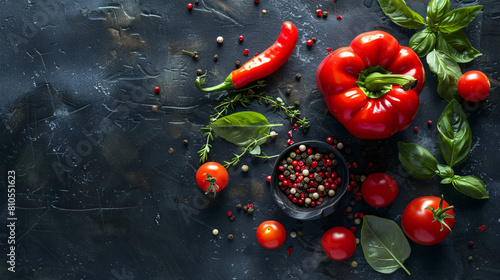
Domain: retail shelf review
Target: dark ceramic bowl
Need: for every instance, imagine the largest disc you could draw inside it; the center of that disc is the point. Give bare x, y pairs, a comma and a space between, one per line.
329, 204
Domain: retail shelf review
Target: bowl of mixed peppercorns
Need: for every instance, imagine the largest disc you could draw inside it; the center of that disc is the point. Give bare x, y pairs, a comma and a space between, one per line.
309, 179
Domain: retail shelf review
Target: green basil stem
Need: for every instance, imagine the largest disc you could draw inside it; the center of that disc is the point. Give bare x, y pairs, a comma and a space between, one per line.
377, 81
440, 214
226, 85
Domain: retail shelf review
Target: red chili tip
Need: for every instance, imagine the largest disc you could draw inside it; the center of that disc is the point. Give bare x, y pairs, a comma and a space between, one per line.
157, 89
339, 17
189, 6
245, 52
415, 129
319, 12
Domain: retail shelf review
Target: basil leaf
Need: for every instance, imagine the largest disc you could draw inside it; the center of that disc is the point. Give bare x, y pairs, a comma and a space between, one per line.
471, 186
401, 14
423, 42
457, 46
458, 18
417, 161
384, 244
242, 128
445, 171
447, 71
436, 9
455, 136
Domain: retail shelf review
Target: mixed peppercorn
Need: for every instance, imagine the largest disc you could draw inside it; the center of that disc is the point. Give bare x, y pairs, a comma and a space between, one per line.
307, 176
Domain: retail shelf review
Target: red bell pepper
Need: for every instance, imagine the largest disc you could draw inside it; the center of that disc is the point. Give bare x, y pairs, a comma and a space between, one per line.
370, 85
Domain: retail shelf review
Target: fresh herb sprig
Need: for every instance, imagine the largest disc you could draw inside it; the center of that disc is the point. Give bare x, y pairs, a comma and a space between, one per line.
244, 97
454, 142
442, 40
253, 149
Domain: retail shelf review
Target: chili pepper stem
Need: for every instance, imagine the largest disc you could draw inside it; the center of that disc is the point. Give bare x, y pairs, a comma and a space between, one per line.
226, 85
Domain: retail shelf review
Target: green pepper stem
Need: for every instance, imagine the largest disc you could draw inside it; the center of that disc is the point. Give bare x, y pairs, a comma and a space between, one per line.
226, 85
377, 81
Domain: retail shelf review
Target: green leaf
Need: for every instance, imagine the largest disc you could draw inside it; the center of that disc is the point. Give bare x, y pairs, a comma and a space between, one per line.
242, 128
255, 150
471, 186
458, 18
436, 10
447, 71
455, 136
401, 14
457, 46
384, 244
445, 171
423, 42
417, 161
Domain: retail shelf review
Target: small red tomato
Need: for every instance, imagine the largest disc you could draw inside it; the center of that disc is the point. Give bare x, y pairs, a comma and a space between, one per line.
379, 189
309, 42
271, 234
212, 177
473, 86
339, 243
428, 220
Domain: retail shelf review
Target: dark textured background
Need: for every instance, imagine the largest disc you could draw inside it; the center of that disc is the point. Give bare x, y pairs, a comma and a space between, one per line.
99, 195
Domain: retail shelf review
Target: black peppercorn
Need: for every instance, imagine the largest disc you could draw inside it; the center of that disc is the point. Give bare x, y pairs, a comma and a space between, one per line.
216, 57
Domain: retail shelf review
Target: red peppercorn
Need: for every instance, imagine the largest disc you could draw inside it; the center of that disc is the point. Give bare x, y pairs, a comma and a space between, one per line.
189, 6
245, 52
352, 229
294, 200
229, 213
429, 123
268, 178
309, 42
415, 129
319, 12
289, 141
241, 38
355, 164
370, 165
290, 133
157, 89
249, 205
357, 197
281, 168
309, 151
339, 17
313, 203
256, 1
329, 49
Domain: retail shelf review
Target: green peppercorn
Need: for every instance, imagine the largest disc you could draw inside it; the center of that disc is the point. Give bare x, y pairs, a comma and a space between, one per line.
293, 155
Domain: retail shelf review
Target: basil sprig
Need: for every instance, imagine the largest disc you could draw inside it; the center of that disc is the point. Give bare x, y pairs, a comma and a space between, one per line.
442, 40
454, 142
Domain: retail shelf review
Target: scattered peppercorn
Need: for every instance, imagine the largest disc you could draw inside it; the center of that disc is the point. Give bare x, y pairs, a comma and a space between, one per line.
154, 108
319, 12
288, 91
185, 142
244, 168
157, 90
231, 218
264, 11
215, 231
245, 208
293, 234
298, 76
357, 221
299, 232
250, 210
325, 14
229, 213
245, 52
230, 236
171, 150
239, 206
189, 6
220, 39
339, 17
314, 39
241, 38
199, 72
309, 42
238, 64
296, 103
354, 263
429, 123
216, 57
471, 243
415, 129
470, 258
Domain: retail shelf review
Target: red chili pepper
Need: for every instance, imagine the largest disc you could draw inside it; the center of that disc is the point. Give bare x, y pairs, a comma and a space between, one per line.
367, 86
259, 66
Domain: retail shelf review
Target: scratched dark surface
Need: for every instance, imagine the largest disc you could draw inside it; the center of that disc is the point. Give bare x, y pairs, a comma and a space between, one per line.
99, 195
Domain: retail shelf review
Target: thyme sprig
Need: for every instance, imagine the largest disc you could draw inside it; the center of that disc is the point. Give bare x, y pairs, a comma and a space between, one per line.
244, 97
253, 149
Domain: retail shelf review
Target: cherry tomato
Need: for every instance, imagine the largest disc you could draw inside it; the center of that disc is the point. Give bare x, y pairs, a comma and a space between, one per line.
424, 225
379, 189
212, 177
271, 234
474, 86
339, 243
